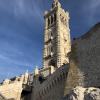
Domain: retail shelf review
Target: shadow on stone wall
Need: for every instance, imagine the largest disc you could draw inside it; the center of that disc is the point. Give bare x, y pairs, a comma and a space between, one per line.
85, 60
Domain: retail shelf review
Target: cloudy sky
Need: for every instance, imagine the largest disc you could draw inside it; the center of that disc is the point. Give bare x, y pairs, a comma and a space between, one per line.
21, 30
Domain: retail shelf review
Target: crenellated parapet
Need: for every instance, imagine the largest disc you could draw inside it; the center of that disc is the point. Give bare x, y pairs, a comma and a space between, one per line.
51, 85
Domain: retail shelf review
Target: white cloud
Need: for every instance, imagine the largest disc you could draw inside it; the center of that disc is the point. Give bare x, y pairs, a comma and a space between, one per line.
21, 8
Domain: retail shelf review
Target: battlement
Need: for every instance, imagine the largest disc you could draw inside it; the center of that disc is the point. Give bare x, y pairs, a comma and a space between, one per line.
43, 90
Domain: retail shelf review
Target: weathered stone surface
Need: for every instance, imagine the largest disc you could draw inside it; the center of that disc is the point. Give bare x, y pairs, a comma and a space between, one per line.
85, 60
92, 94
76, 94
12, 90
84, 65
2, 97
80, 93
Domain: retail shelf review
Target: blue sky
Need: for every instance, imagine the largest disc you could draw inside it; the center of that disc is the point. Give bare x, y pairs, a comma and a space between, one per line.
21, 30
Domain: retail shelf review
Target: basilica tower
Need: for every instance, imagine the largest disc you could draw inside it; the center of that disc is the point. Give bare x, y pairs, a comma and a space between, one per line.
57, 42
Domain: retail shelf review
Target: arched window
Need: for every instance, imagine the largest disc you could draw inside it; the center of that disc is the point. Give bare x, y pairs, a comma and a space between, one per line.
51, 49
48, 21
51, 19
52, 63
54, 17
51, 34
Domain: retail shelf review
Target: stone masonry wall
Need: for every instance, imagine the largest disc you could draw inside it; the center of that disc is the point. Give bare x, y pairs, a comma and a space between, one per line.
2, 97
11, 91
85, 60
80, 93
12, 88
53, 87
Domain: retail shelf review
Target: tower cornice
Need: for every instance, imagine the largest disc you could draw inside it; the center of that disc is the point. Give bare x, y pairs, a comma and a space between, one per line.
56, 3
56, 0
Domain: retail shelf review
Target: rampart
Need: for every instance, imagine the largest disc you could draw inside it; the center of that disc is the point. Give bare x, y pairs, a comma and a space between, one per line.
53, 87
85, 60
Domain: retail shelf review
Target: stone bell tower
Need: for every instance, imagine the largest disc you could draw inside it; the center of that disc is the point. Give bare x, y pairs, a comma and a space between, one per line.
57, 42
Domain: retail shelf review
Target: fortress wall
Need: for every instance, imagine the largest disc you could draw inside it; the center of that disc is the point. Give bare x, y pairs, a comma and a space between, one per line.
85, 60
53, 87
